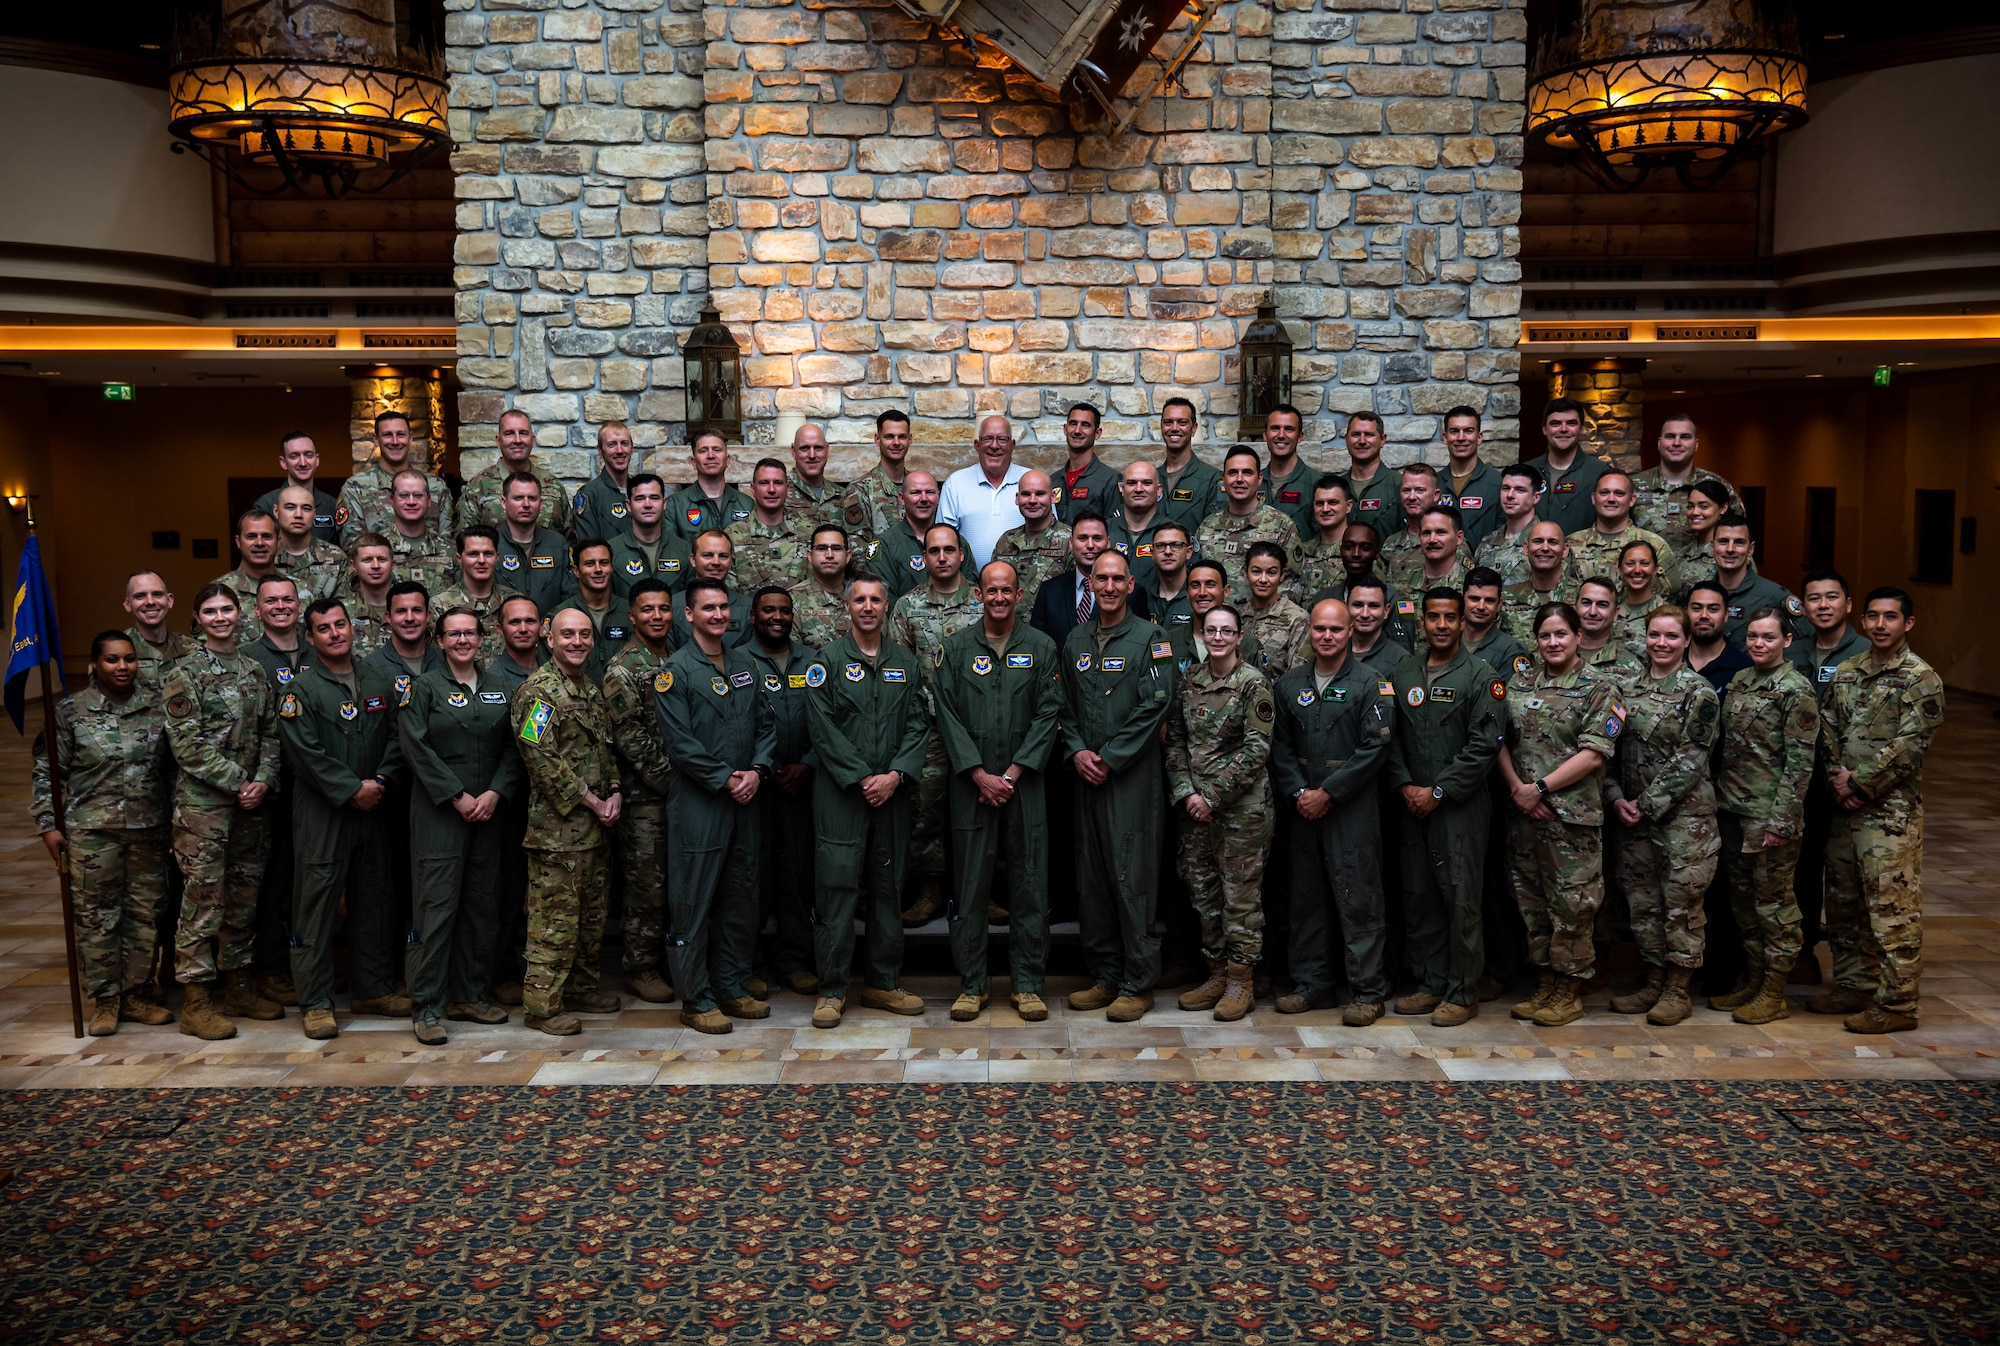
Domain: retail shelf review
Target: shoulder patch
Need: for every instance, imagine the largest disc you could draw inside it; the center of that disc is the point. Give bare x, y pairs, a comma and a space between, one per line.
340, 514
816, 675
663, 681
1523, 662
1162, 650
288, 707
535, 723
1263, 709
1498, 689
1386, 688
180, 707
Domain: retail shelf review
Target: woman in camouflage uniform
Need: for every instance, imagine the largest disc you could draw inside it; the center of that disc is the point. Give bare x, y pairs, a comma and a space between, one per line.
223, 725
1563, 723
1707, 503
1218, 779
1660, 791
111, 753
1639, 572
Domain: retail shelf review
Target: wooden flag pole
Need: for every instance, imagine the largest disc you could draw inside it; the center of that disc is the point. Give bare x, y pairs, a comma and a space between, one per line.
56, 804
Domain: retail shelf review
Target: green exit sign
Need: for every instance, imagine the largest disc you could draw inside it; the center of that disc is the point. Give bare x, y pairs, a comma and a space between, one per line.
1881, 376
122, 392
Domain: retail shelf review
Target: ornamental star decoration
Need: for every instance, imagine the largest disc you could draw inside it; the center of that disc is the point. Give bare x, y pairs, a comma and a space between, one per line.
1132, 33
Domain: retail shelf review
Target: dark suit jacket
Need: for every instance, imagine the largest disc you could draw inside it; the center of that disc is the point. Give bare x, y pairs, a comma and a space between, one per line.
1054, 613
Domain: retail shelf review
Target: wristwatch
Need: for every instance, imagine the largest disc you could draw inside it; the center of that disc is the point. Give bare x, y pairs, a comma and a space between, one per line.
763, 770
1437, 793
1542, 788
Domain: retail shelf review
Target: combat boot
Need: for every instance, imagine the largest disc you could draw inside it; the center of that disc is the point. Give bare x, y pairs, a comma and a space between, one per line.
826, 1014
1451, 1014
1418, 1002
930, 901
802, 983
1030, 1007
104, 1017
1876, 1019
138, 1006
1205, 995
1564, 1005
1646, 996
199, 1019
475, 1012
1544, 989
1362, 1013
746, 1007
1841, 1000
591, 1002
707, 1021
430, 1031
1745, 991
1236, 1000
650, 987
1093, 997
1490, 989
897, 1001
1127, 1009
508, 993
1673, 1004
557, 1025
320, 1025
394, 1005
277, 987
241, 1000
967, 1007
1769, 1004
1300, 1002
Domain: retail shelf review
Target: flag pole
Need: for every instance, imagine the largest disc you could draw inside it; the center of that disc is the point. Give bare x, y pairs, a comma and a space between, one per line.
56, 806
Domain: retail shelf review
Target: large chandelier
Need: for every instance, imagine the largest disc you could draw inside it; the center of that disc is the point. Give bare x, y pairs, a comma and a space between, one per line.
1691, 85
284, 93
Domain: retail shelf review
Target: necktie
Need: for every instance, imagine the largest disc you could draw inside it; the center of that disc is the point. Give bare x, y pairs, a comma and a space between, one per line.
1086, 606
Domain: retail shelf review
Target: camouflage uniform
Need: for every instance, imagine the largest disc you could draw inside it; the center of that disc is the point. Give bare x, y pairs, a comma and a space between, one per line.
1036, 557
367, 502
766, 555
488, 608
222, 724
1507, 556
316, 570
607, 628
115, 766
1405, 570
1280, 632
1613, 657
805, 510
1219, 747
1880, 720
244, 585
1663, 509
484, 499
1595, 554
427, 558
870, 505
1666, 860
1558, 866
818, 617
630, 681
369, 620
1520, 601
1226, 537
153, 659
1770, 731
1628, 628
1319, 565
565, 737
920, 623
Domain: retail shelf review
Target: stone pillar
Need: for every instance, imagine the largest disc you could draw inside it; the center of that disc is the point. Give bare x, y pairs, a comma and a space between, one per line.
1613, 394
416, 394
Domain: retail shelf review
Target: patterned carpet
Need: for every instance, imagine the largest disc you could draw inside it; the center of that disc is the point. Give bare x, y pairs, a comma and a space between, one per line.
1687, 1212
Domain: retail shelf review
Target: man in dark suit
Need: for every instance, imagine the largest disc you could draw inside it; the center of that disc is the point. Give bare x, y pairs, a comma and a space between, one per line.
1065, 600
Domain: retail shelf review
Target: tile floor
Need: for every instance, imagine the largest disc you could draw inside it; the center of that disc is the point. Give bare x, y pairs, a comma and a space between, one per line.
1960, 1036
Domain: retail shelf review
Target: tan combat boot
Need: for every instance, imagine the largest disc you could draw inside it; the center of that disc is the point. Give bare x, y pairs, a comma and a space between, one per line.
1205, 995
139, 1007
1237, 999
1673, 1004
104, 1016
1840, 1000
1544, 988
242, 1000
1565, 1004
650, 987
746, 1007
1646, 996
1745, 992
1128, 1009
1093, 997
199, 1019
1770, 1004
707, 1021
930, 901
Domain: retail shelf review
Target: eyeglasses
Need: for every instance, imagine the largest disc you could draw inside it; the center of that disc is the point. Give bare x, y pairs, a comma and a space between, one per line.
988, 440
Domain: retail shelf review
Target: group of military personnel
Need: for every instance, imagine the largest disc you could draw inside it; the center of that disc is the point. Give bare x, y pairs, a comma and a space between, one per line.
422, 744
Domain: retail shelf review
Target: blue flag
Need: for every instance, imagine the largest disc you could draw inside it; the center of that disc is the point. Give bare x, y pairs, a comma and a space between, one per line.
32, 636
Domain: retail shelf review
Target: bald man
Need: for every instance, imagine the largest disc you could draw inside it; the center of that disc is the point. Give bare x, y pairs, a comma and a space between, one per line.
813, 497
979, 501
1038, 548
1133, 519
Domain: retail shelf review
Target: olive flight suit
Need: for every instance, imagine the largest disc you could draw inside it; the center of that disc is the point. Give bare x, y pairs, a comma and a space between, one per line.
866, 717
1119, 683
457, 741
715, 721
539, 570
1334, 737
997, 705
785, 822
665, 560
1447, 736
338, 733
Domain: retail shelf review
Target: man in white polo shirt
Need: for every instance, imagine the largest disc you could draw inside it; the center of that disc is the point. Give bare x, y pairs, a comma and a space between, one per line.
979, 500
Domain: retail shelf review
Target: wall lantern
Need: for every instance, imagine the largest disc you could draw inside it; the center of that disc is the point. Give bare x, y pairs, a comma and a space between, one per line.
322, 92
1634, 88
714, 379
1264, 373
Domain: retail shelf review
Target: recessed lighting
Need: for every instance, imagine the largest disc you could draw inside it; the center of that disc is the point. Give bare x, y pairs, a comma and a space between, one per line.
1906, 364
149, 46
1815, 376
1836, 37
49, 373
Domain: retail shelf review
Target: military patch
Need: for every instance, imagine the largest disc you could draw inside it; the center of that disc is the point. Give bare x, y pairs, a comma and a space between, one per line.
493, 698
1498, 689
1414, 697
1673, 507
719, 686
510, 563
663, 681
853, 672
1613, 727
180, 707
982, 664
542, 563
1263, 710
1306, 697
772, 683
348, 710
693, 514
874, 545
1083, 663
1120, 548
1523, 662
795, 681
1079, 493
1182, 493
619, 511
1618, 708
372, 704
617, 633
742, 679
816, 676
1807, 720
288, 707
916, 563
1565, 488
854, 515
340, 515
1406, 607
1338, 694
458, 700
1735, 611
1162, 649
894, 675
536, 722
670, 564
1386, 688
1288, 497
1145, 549
937, 657
1114, 663
285, 675
1793, 606
1471, 501
1020, 661
402, 689
635, 566
581, 500
1445, 696
740, 514
1826, 673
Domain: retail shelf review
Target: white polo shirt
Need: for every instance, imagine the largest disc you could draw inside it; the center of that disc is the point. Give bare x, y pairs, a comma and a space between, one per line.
979, 510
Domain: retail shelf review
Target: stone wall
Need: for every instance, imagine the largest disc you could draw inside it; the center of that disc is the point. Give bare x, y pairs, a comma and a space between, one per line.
1613, 394
894, 218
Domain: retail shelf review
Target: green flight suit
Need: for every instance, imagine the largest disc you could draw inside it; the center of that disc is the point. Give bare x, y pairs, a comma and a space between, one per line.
1293, 496
1477, 503
600, 507
1191, 494
336, 737
457, 741
691, 513
1335, 738
1566, 492
665, 559
679, 633
1501, 651
1757, 592
1378, 502
540, 570
996, 707
896, 557
1447, 737
866, 717
715, 720
513, 897
1136, 544
1096, 487
1119, 684
786, 820
630, 683
274, 890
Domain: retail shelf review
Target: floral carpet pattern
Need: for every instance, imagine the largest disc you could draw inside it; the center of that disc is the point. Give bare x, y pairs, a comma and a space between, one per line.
1695, 1212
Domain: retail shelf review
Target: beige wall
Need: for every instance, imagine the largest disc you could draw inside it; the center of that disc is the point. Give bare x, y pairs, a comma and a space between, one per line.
1876, 447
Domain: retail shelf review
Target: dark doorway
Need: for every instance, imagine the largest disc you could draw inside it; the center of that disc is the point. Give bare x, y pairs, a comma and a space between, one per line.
1819, 527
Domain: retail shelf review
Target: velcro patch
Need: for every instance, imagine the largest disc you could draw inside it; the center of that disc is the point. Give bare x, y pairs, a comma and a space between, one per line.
742, 679
894, 675
1114, 663
1020, 661
536, 722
